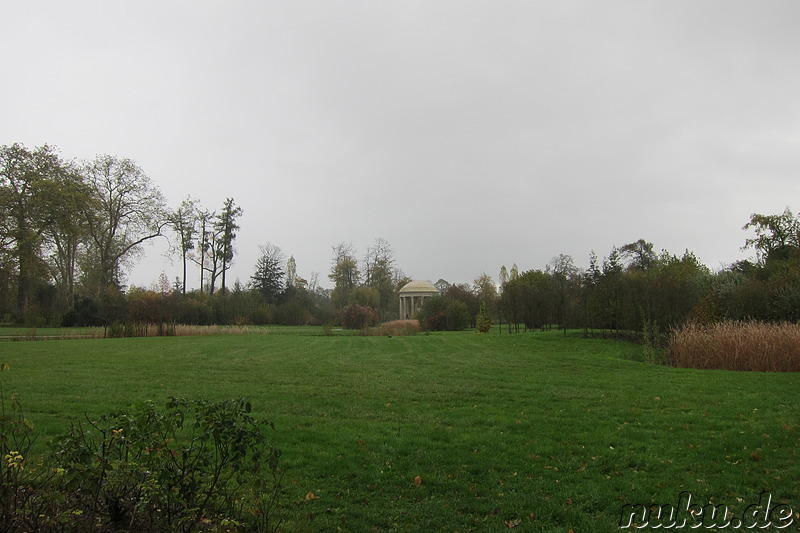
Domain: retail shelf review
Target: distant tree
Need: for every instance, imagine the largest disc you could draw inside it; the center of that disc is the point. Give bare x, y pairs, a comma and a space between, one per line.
442, 285
774, 233
130, 210
486, 291
640, 254
183, 221
344, 273
379, 273
205, 238
225, 230
564, 274
484, 319
268, 276
503, 277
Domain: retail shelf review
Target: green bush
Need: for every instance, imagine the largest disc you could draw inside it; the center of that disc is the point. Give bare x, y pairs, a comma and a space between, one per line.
196, 466
484, 320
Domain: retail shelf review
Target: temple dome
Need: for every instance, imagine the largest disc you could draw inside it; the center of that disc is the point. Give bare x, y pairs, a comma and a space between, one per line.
419, 287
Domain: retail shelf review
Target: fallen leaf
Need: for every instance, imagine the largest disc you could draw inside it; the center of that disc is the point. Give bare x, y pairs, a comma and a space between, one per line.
418, 481
512, 523
311, 496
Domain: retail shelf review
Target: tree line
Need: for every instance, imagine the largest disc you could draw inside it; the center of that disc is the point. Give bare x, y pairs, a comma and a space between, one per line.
636, 289
70, 230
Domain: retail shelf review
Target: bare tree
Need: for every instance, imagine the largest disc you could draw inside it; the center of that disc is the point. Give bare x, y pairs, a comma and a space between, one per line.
130, 210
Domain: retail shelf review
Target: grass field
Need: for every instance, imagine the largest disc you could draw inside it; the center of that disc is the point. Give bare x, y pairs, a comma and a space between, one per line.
452, 431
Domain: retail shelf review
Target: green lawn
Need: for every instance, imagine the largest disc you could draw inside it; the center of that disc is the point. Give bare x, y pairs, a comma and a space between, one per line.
452, 432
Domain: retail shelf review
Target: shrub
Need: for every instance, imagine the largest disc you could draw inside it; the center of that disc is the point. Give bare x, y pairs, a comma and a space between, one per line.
358, 316
772, 347
171, 470
198, 466
484, 320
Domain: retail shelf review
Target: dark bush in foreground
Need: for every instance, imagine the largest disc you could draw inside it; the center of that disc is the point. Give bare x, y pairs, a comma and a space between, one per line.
196, 466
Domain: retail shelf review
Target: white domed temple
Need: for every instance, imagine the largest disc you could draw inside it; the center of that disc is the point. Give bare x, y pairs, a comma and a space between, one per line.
412, 295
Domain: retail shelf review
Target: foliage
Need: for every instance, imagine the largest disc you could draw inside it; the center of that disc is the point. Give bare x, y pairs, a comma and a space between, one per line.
443, 314
225, 227
129, 211
484, 320
268, 276
196, 466
357, 316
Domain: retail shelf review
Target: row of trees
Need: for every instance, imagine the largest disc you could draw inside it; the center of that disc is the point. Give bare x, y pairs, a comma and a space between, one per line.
635, 289
69, 230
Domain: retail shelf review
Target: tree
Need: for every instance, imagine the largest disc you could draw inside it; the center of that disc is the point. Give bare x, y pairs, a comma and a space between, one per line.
205, 238
378, 272
640, 254
442, 285
25, 176
225, 229
564, 275
344, 273
183, 222
484, 319
67, 236
774, 233
268, 276
486, 291
130, 210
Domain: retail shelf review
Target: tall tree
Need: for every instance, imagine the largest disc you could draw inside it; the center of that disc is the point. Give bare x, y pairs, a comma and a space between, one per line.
183, 221
564, 272
268, 276
344, 273
774, 234
130, 210
26, 211
66, 238
379, 273
640, 254
205, 238
226, 228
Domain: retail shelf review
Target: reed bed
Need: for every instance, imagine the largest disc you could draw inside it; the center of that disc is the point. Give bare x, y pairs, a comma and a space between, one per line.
177, 330
118, 330
737, 345
394, 328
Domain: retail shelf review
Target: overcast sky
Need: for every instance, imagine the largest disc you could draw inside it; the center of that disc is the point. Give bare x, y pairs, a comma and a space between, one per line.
468, 134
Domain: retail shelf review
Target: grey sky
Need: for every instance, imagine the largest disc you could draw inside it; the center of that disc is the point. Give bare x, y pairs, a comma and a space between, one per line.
467, 134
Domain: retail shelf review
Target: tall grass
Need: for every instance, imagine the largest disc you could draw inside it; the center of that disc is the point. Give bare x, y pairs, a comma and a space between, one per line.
736, 345
121, 330
395, 328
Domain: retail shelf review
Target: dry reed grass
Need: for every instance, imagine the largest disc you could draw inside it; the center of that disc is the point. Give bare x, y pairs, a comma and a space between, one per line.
759, 346
395, 328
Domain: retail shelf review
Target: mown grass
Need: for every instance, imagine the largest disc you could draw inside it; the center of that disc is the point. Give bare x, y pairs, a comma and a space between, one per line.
452, 431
